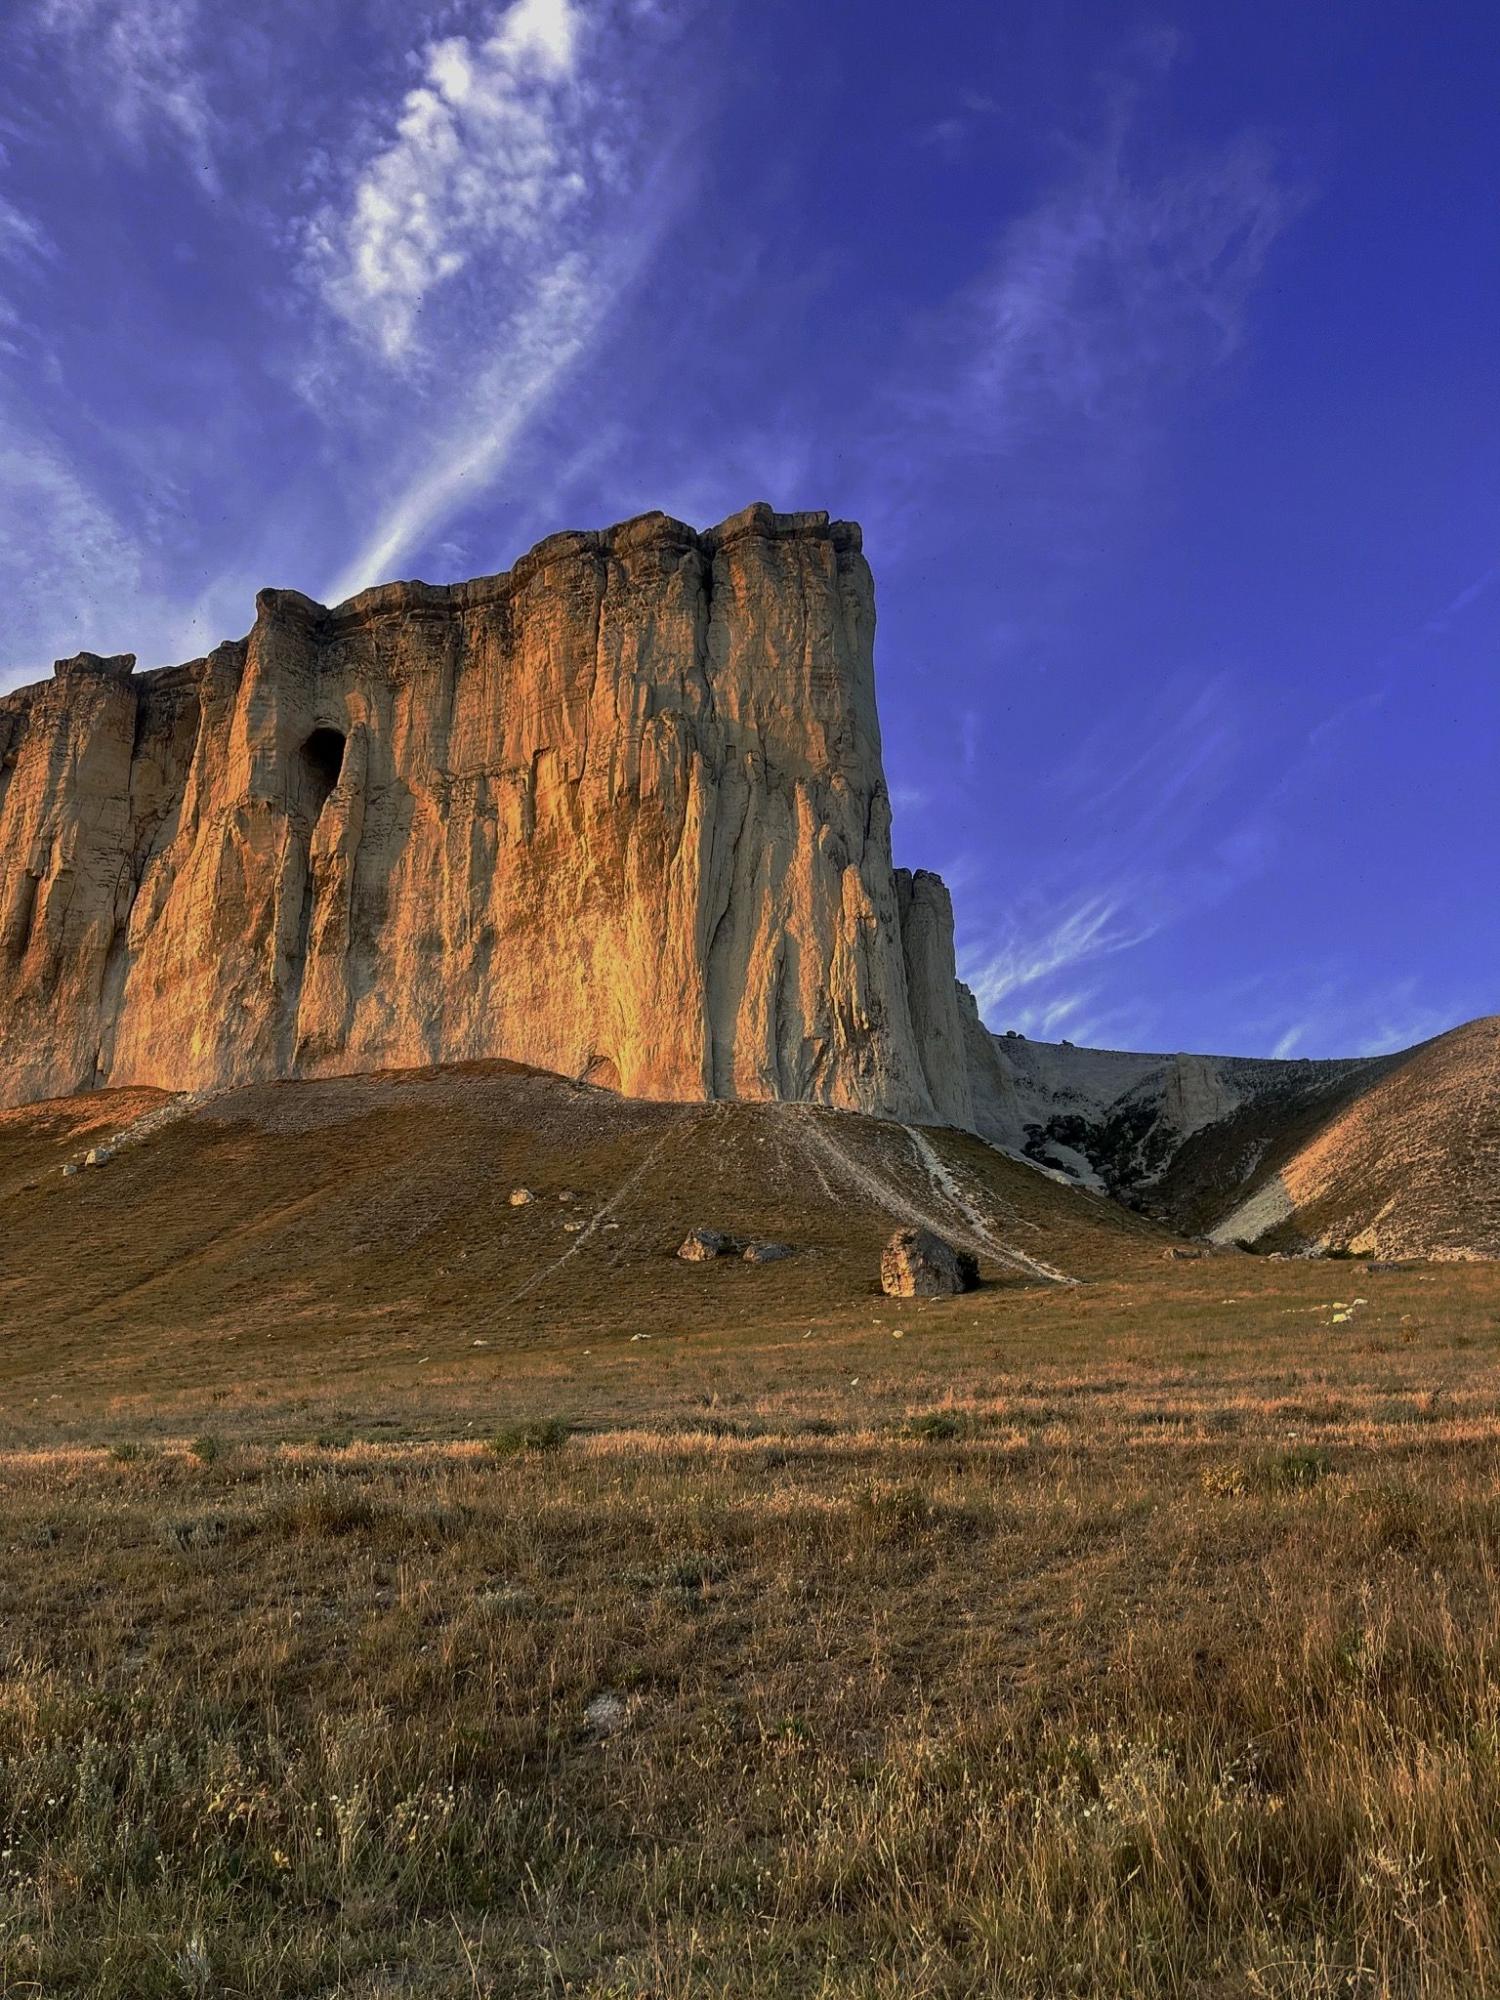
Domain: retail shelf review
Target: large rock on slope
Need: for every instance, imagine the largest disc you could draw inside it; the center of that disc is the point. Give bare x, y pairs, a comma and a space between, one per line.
917, 1264
619, 813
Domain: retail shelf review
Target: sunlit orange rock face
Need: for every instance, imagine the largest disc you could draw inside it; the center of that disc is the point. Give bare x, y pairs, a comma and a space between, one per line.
619, 813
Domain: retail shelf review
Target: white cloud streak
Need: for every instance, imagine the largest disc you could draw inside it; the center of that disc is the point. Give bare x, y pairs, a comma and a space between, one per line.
1115, 284
21, 237
138, 62
480, 250
542, 342
64, 558
1094, 926
495, 150
1439, 623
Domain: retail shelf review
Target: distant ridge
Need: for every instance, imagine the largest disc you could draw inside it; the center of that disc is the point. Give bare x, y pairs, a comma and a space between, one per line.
1387, 1156
1409, 1168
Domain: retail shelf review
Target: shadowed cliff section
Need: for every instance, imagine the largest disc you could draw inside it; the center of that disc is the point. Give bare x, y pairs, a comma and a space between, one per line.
1387, 1156
619, 812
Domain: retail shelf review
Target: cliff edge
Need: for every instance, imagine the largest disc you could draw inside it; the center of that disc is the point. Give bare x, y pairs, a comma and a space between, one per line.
618, 812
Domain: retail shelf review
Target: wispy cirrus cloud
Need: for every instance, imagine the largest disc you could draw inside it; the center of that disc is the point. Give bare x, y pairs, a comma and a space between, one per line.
479, 251
1318, 1010
1032, 946
459, 246
22, 242
1442, 620
1129, 275
548, 335
66, 558
143, 66
1134, 797
1054, 369
21, 235
493, 155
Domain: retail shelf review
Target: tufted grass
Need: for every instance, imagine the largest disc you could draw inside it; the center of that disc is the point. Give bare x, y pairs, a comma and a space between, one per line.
681, 1714
1140, 1639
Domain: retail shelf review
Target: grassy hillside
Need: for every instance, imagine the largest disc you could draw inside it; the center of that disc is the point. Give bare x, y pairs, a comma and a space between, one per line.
336, 1228
1409, 1168
719, 1630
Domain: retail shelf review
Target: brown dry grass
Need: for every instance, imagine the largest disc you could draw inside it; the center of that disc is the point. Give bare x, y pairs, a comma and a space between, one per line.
1138, 1640
1135, 1638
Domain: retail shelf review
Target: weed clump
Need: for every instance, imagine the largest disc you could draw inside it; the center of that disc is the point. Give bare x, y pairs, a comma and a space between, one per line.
538, 1435
1293, 1471
208, 1449
197, 1531
325, 1508
936, 1427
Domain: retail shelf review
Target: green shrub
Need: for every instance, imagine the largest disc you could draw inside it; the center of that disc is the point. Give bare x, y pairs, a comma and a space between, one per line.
1292, 1471
207, 1449
537, 1434
936, 1426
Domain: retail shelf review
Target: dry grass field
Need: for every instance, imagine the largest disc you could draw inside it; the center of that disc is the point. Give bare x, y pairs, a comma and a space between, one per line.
751, 1634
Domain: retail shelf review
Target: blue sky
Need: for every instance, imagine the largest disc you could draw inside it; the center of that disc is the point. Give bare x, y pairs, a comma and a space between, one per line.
1156, 352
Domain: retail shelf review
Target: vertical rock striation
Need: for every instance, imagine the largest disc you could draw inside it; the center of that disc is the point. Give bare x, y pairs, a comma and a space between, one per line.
619, 813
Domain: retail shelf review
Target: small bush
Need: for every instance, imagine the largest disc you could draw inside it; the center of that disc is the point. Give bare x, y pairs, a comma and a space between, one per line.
1293, 1471
1272, 1472
130, 1453
936, 1426
540, 1434
896, 1515
207, 1449
324, 1508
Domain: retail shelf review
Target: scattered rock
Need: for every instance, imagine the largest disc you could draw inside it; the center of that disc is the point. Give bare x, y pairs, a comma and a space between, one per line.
567, 1194
766, 1253
70, 1169
520, 1196
701, 1246
606, 1713
916, 1264
98, 1156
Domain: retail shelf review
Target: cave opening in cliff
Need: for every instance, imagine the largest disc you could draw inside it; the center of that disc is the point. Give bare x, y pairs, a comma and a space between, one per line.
322, 761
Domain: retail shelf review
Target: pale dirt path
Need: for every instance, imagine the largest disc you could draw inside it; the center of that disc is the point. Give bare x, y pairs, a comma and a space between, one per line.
169, 1113
974, 1234
942, 1179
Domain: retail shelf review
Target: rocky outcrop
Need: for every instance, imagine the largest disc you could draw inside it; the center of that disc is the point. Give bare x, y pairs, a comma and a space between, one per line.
618, 813
917, 1264
925, 912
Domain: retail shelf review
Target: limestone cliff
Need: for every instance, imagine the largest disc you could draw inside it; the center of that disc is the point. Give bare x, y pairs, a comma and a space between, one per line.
618, 813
